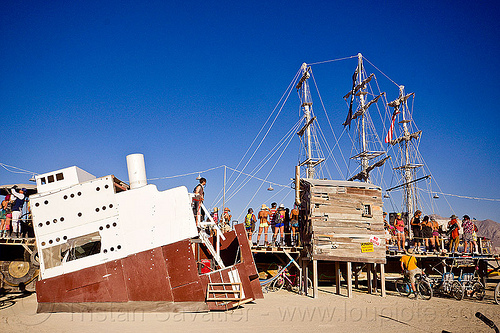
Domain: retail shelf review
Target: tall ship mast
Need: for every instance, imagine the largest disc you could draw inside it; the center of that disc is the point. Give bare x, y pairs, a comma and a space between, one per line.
407, 152
367, 151
306, 133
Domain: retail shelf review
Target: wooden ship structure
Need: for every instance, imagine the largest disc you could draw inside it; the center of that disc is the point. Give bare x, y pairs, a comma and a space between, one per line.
341, 221
105, 244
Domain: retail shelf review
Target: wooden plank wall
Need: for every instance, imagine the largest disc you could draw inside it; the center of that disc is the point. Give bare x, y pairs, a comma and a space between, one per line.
336, 227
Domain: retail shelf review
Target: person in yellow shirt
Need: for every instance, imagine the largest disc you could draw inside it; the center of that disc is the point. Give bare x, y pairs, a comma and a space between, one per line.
410, 268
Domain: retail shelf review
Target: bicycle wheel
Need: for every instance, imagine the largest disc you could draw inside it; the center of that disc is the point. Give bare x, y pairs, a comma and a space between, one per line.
478, 291
277, 284
457, 291
497, 293
424, 289
403, 287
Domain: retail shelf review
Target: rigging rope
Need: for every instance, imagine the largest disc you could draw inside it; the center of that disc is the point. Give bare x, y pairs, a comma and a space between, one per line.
187, 174
381, 72
262, 163
289, 90
331, 128
326, 61
22, 171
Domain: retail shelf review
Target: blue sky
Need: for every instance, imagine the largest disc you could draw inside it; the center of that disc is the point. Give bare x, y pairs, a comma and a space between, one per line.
189, 84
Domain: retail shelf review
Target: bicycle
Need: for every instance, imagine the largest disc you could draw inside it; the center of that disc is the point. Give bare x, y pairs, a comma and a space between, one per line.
472, 286
289, 281
447, 285
422, 285
497, 294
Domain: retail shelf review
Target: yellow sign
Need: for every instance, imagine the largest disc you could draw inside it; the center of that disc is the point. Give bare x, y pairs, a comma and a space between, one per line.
366, 247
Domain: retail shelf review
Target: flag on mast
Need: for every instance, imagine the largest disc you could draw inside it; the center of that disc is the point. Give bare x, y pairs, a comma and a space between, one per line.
388, 137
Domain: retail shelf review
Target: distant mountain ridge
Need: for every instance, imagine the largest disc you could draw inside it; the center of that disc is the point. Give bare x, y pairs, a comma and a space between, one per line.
489, 229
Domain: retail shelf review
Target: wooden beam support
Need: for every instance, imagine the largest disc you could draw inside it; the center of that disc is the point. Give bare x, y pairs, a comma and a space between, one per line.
337, 278
349, 279
369, 277
382, 280
315, 278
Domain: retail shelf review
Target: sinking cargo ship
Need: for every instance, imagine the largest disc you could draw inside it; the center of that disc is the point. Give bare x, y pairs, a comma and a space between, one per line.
104, 244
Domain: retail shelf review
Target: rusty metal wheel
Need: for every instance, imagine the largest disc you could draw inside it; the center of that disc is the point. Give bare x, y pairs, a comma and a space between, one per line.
18, 272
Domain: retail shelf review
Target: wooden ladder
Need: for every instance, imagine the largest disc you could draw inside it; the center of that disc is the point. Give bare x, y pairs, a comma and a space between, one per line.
222, 294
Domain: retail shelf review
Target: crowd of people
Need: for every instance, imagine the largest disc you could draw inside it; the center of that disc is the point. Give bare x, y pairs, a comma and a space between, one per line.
427, 235
12, 222
282, 226
281, 222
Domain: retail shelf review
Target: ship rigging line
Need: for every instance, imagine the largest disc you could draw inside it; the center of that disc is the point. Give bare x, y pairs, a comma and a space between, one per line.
187, 174
330, 153
255, 177
462, 196
288, 136
294, 129
287, 93
381, 72
327, 61
277, 160
262, 163
21, 171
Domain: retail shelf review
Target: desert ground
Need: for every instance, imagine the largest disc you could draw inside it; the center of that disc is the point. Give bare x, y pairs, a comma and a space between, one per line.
280, 311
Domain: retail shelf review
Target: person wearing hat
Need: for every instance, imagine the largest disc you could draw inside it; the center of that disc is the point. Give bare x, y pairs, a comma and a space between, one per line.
215, 215
199, 196
453, 233
17, 209
279, 226
263, 226
226, 220
409, 268
399, 226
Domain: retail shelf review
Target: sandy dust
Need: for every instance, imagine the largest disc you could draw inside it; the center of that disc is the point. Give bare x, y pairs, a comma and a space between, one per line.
279, 312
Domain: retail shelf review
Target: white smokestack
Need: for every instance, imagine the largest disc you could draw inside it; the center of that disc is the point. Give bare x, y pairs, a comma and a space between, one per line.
136, 170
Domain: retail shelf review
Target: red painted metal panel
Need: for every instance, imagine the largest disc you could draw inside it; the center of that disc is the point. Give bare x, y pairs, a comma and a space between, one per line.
50, 290
93, 284
146, 276
84, 277
192, 292
180, 263
246, 252
116, 281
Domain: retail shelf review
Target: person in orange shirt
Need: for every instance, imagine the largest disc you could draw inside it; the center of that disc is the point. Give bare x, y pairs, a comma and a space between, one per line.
264, 225
453, 233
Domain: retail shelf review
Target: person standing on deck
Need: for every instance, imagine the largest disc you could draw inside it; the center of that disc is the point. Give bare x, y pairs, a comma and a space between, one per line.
294, 224
468, 227
279, 226
226, 220
272, 220
399, 226
3, 219
250, 220
435, 234
453, 233
17, 209
263, 226
416, 229
199, 196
